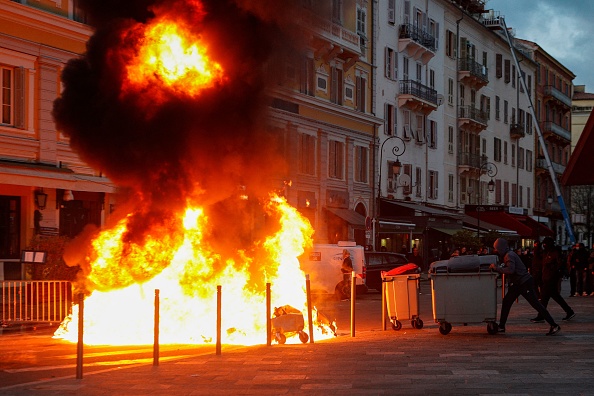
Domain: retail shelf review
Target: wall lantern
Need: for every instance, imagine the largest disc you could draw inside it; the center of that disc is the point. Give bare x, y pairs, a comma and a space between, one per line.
68, 196
40, 199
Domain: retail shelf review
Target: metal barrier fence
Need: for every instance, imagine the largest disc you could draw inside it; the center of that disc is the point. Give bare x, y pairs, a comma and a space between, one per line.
35, 301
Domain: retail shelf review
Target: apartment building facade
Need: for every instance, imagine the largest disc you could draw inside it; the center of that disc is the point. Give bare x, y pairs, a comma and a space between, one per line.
448, 90
325, 110
554, 90
45, 188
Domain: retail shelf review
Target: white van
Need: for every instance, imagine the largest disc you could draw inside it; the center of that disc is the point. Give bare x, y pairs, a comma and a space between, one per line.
324, 261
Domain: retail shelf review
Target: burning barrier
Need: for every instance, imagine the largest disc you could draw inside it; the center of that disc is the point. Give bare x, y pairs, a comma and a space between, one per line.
169, 102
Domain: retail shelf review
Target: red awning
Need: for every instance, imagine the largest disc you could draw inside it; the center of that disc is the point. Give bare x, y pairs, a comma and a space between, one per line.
525, 226
579, 168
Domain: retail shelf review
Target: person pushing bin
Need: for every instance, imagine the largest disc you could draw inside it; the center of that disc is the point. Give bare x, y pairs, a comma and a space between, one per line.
520, 282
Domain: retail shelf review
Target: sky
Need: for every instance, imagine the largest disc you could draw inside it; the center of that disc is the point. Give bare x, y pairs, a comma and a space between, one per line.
563, 28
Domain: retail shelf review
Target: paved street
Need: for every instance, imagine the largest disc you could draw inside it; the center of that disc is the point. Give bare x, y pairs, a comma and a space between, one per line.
467, 361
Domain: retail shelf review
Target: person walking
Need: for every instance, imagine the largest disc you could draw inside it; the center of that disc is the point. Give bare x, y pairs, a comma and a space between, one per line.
590, 277
580, 262
571, 268
552, 274
520, 282
536, 268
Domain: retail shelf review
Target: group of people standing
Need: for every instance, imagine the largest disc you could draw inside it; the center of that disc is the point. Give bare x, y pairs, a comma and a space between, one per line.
580, 263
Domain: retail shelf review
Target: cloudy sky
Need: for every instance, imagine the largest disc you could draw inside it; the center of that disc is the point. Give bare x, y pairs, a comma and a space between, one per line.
564, 28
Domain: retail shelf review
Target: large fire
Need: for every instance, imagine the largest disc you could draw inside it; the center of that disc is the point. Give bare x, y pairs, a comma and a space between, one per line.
171, 56
187, 285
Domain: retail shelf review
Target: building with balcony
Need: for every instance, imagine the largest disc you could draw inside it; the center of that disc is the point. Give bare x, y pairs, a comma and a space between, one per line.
552, 104
45, 188
325, 111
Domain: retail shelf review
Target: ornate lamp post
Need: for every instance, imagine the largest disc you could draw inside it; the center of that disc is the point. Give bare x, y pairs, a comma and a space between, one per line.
398, 149
491, 170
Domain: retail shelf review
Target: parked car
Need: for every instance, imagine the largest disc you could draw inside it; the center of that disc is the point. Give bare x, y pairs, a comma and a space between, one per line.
376, 262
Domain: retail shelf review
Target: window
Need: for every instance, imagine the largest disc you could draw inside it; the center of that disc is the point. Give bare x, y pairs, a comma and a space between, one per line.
433, 184
10, 233
521, 158
528, 203
361, 164
336, 159
505, 153
12, 102
432, 135
498, 65
391, 12
462, 92
450, 44
337, 11
407, 170
497, 149
514, 193
405, 68
513, 76
391, 64
390, 119
418, 178
450, 188
361, 21
506, 193
497, 190
450, 92
451, 140
419, 72
497, 107
505, 111
529, 160
432, 78
336, 86
521, 196
507, 71
361, 96
420, 132
513, 152
307, 75
307, 154
406, 130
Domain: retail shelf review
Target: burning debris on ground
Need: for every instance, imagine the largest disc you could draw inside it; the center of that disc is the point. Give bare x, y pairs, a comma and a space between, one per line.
170, 103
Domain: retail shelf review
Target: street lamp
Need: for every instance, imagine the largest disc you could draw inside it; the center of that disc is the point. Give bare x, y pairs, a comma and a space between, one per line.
398, 149
491, 170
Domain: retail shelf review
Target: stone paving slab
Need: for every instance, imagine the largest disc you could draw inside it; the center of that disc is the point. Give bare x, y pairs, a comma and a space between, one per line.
467, 361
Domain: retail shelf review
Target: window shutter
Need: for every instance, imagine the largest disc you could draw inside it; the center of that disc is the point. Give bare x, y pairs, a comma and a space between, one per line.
19, 97
463, 48
406, 12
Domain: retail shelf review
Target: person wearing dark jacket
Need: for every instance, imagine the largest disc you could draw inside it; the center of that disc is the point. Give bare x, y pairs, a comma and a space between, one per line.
552, 272
579, 261
520, 282
536, 268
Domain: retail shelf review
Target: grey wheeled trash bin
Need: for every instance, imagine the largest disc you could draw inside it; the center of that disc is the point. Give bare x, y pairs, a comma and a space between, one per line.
402, 299
464, 291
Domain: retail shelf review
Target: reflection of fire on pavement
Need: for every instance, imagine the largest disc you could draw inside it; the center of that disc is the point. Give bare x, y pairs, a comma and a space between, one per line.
170, 103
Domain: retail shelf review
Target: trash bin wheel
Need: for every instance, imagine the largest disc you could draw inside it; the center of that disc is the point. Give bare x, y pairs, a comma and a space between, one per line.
417, 323
280, 338
492, 328
445, 328
396, 325
303, 337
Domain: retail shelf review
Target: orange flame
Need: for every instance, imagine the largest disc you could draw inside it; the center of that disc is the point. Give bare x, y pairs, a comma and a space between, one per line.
181, 265
172, 56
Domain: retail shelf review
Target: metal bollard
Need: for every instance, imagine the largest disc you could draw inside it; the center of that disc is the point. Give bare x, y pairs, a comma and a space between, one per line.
79, 346
309, 315
268, 316
156, 330
219, 305
353, 296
